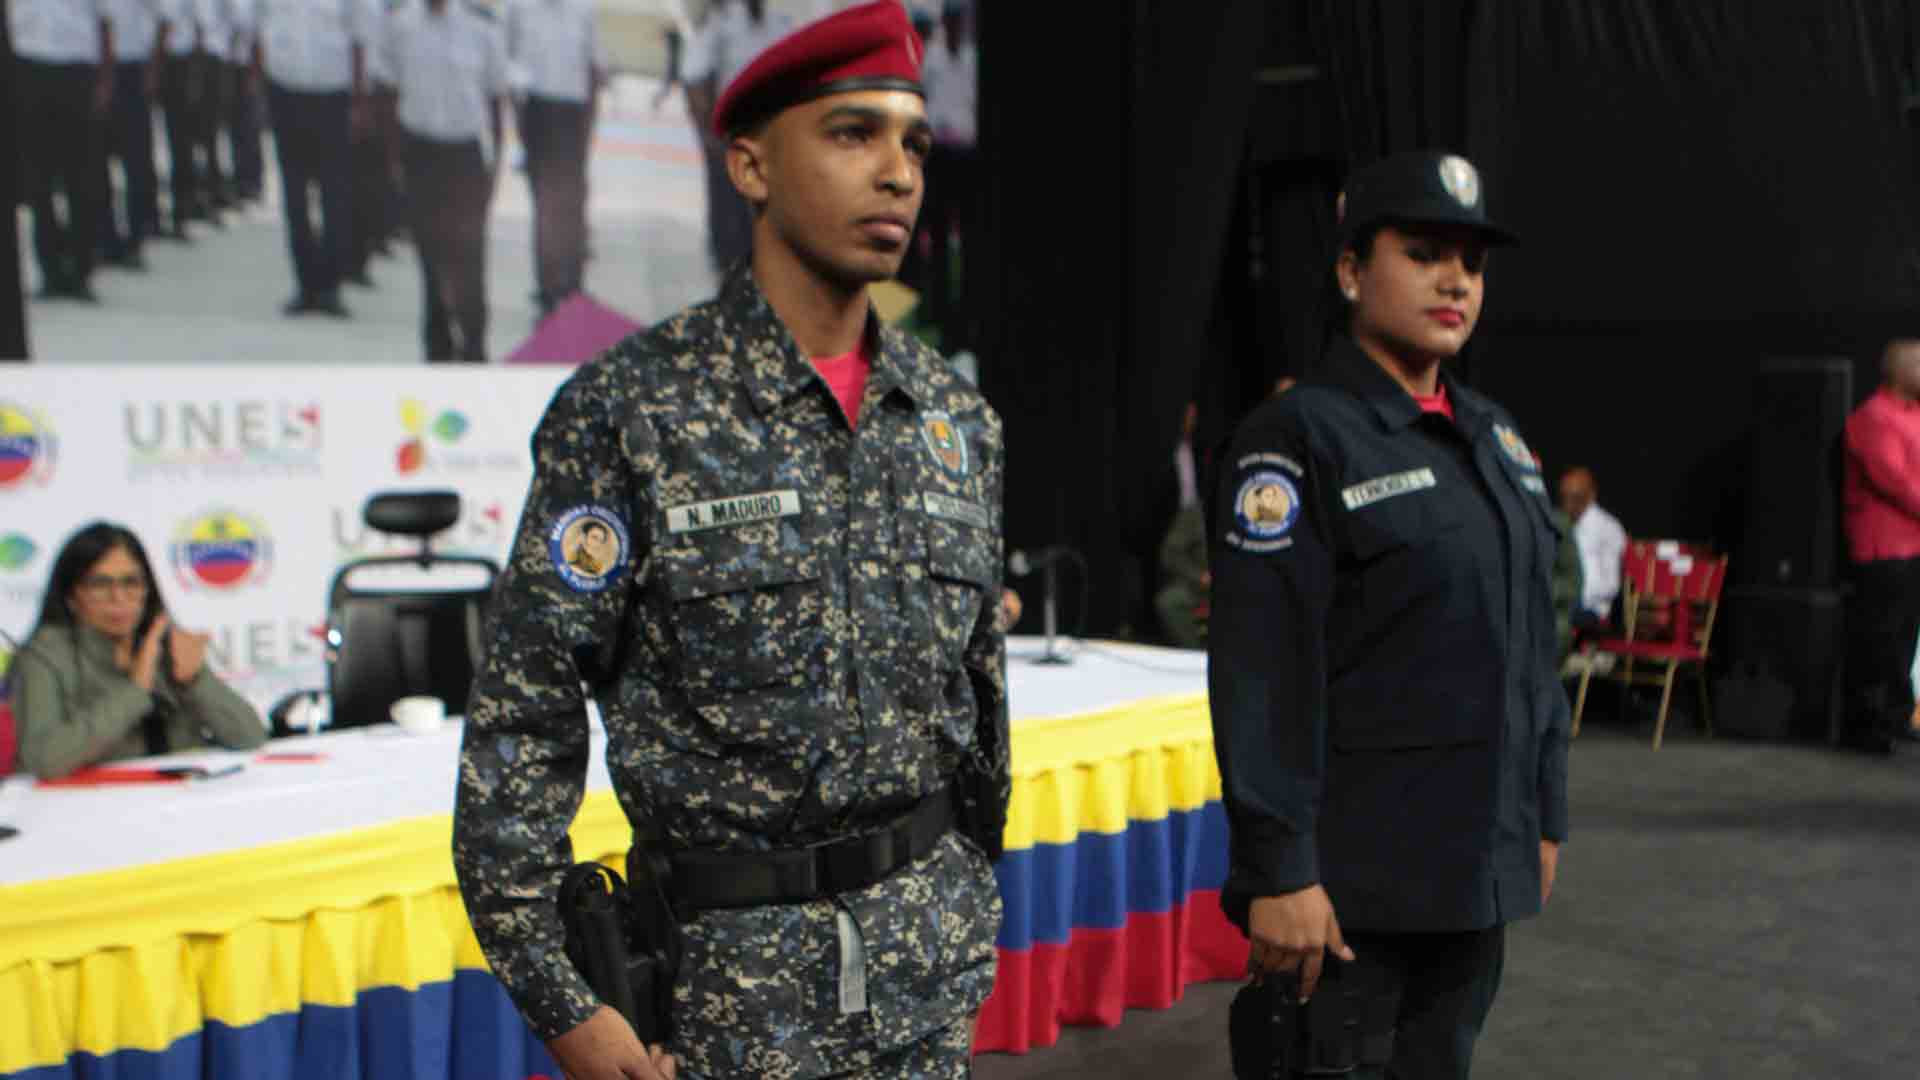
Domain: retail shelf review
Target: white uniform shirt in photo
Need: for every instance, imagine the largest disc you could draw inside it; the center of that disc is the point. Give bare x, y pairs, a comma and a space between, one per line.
57, 31
182, 31
308, 44
216, 37
136, 28
554, 48
445, 67
740, 39
952, 82
239, 17
379, 16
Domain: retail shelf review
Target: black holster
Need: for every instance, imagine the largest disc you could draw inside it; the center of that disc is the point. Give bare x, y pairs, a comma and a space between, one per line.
1274, 1036
980, 807
624, 939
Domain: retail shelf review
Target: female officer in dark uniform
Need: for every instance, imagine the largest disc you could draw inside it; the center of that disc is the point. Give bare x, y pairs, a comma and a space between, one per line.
1391, 733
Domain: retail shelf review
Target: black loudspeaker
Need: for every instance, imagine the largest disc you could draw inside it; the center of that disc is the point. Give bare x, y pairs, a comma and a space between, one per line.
1779, 652
1792, 528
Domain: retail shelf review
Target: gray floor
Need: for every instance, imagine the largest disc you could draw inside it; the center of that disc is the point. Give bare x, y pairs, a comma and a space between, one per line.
1725, 909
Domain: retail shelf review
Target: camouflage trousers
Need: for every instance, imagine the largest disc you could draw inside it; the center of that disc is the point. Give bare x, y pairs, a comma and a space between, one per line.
946, 1054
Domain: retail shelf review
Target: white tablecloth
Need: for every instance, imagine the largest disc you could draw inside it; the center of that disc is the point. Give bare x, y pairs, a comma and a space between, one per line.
370, 776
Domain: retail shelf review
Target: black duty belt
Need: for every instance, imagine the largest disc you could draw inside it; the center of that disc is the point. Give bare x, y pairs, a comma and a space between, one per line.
736, 879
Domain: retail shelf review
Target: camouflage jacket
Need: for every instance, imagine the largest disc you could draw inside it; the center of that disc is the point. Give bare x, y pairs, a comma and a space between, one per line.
789, 627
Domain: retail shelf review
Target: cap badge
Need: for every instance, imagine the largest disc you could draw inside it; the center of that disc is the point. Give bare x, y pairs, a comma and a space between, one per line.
1460, 179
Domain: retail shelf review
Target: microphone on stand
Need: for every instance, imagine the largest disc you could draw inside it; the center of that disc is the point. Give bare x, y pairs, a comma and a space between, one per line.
1020, 564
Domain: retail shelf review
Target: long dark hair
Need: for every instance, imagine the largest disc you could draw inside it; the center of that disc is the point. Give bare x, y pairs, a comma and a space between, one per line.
78, 555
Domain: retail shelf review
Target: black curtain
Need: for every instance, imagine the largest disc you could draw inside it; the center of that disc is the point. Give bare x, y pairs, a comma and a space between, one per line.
1698, 186
1114, 136
13, 306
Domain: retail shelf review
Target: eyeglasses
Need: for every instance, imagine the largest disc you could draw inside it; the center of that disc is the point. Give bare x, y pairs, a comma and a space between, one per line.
103, 585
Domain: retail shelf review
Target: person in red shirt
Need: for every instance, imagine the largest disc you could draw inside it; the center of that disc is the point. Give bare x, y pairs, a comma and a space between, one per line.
1881, 495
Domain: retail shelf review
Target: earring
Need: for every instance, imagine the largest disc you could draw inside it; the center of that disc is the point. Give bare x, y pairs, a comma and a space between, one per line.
1352, 295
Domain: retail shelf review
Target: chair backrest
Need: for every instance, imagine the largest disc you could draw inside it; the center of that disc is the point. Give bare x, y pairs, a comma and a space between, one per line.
1691, 587
1636, 581
1636, 562
387, 641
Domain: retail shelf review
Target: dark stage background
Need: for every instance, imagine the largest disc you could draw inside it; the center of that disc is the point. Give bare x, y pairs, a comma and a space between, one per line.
1698, 186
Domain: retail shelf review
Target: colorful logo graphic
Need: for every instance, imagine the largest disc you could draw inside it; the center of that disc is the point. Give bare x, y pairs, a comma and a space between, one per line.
447, 428
221, 550
16, 551
27, 446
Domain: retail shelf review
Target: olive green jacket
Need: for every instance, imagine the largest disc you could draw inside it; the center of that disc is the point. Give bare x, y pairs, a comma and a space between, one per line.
74, 707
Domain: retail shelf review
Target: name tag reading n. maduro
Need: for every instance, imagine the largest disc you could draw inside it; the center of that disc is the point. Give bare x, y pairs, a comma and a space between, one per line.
738, 510
1386, 487
960, 510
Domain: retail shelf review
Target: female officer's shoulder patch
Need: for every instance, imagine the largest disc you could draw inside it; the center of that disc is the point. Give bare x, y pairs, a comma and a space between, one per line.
1266, 502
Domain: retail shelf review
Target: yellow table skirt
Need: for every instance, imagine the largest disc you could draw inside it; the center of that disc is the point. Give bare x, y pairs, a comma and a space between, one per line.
136, 959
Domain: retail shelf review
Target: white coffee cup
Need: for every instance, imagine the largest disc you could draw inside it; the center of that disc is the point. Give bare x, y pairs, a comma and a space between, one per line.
419, 714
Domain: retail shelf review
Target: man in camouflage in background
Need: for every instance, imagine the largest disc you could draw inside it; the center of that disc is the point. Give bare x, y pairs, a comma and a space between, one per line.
794, 643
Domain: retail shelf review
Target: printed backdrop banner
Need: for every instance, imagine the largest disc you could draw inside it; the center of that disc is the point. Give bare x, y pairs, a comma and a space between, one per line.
246, 486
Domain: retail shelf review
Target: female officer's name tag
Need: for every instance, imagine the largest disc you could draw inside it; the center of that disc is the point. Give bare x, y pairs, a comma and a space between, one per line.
1381, 488
738, 510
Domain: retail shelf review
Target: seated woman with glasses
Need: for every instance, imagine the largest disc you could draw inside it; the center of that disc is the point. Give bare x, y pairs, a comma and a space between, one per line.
105, 674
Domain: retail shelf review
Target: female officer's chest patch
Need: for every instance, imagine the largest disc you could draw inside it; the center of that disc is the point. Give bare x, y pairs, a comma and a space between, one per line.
1516, 448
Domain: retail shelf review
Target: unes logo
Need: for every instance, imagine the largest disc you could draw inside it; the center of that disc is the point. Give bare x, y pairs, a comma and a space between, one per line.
446, 429
221, 550
27, 447
226, 439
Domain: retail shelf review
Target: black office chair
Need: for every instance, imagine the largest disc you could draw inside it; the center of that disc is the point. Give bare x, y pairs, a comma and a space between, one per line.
418, 632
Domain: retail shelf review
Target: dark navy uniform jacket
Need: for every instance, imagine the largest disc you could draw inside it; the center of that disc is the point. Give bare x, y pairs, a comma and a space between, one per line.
1387, 710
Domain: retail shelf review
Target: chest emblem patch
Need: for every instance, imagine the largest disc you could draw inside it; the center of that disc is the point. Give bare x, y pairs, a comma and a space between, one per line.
944, 442
1516, 448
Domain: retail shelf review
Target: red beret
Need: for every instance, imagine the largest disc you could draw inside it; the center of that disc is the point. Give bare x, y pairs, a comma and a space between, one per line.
869, 47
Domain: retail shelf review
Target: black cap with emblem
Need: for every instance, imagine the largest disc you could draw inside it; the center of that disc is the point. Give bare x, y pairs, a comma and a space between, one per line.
1418, 188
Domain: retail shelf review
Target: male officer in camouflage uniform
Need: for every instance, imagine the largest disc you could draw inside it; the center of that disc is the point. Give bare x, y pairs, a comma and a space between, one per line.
794, 645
